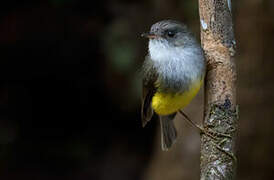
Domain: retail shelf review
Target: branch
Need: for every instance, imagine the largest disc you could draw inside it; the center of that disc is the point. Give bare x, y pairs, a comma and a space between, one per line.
220, 115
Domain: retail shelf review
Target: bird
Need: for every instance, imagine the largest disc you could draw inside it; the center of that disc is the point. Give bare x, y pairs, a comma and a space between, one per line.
172, 74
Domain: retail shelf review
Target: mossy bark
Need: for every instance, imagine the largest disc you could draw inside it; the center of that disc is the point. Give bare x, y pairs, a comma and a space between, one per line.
218, 160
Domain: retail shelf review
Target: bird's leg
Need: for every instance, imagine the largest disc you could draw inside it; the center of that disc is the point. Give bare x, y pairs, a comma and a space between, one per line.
211, 134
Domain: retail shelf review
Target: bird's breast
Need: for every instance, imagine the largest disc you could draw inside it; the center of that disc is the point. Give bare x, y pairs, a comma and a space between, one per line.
165, 103
177, 67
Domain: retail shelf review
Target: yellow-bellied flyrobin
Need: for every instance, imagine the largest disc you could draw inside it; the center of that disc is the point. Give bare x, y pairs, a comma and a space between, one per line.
173, 73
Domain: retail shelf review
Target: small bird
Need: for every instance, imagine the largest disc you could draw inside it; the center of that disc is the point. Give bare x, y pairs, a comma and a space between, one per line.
173, 72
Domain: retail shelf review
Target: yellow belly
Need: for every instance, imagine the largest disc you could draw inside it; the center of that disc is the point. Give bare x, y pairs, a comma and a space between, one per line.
168, 103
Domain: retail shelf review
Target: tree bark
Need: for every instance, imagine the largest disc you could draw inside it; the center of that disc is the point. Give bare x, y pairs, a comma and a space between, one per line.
218, 160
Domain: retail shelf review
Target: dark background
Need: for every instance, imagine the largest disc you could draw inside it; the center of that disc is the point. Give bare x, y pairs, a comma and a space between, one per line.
70, 91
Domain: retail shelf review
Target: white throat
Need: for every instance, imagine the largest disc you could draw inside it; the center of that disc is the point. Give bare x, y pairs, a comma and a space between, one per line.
176, 63
161, 51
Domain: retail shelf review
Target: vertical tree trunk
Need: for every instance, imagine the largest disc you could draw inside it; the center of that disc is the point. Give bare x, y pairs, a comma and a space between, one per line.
220, 115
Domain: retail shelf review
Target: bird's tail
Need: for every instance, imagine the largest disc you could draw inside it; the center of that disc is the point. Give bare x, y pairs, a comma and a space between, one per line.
168, 131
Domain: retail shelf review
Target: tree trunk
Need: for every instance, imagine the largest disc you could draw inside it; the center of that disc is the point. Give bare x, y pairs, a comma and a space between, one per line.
218, 159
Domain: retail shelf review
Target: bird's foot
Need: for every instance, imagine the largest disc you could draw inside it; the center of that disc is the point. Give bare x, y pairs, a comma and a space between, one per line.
221, 138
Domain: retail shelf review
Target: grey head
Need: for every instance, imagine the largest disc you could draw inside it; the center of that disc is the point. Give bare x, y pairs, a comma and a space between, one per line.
172, 32
175, 55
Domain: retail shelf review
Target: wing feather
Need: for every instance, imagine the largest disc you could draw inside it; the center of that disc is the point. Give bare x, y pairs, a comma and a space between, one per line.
149, 89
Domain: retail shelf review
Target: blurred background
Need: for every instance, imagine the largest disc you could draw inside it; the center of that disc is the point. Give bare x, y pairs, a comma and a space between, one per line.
70, 91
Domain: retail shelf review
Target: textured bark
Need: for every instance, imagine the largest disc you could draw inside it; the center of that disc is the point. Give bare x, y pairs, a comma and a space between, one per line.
220, 114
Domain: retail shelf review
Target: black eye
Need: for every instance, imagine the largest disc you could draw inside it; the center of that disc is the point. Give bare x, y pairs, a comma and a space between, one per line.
170, 34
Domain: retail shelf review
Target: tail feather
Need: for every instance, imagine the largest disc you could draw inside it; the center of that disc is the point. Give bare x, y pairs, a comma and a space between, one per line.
168, 131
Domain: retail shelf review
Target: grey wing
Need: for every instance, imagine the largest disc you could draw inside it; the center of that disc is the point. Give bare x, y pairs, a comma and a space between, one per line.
147, 111
149, 89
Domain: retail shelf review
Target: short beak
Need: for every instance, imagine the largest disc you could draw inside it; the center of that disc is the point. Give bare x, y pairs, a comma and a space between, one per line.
149, 35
